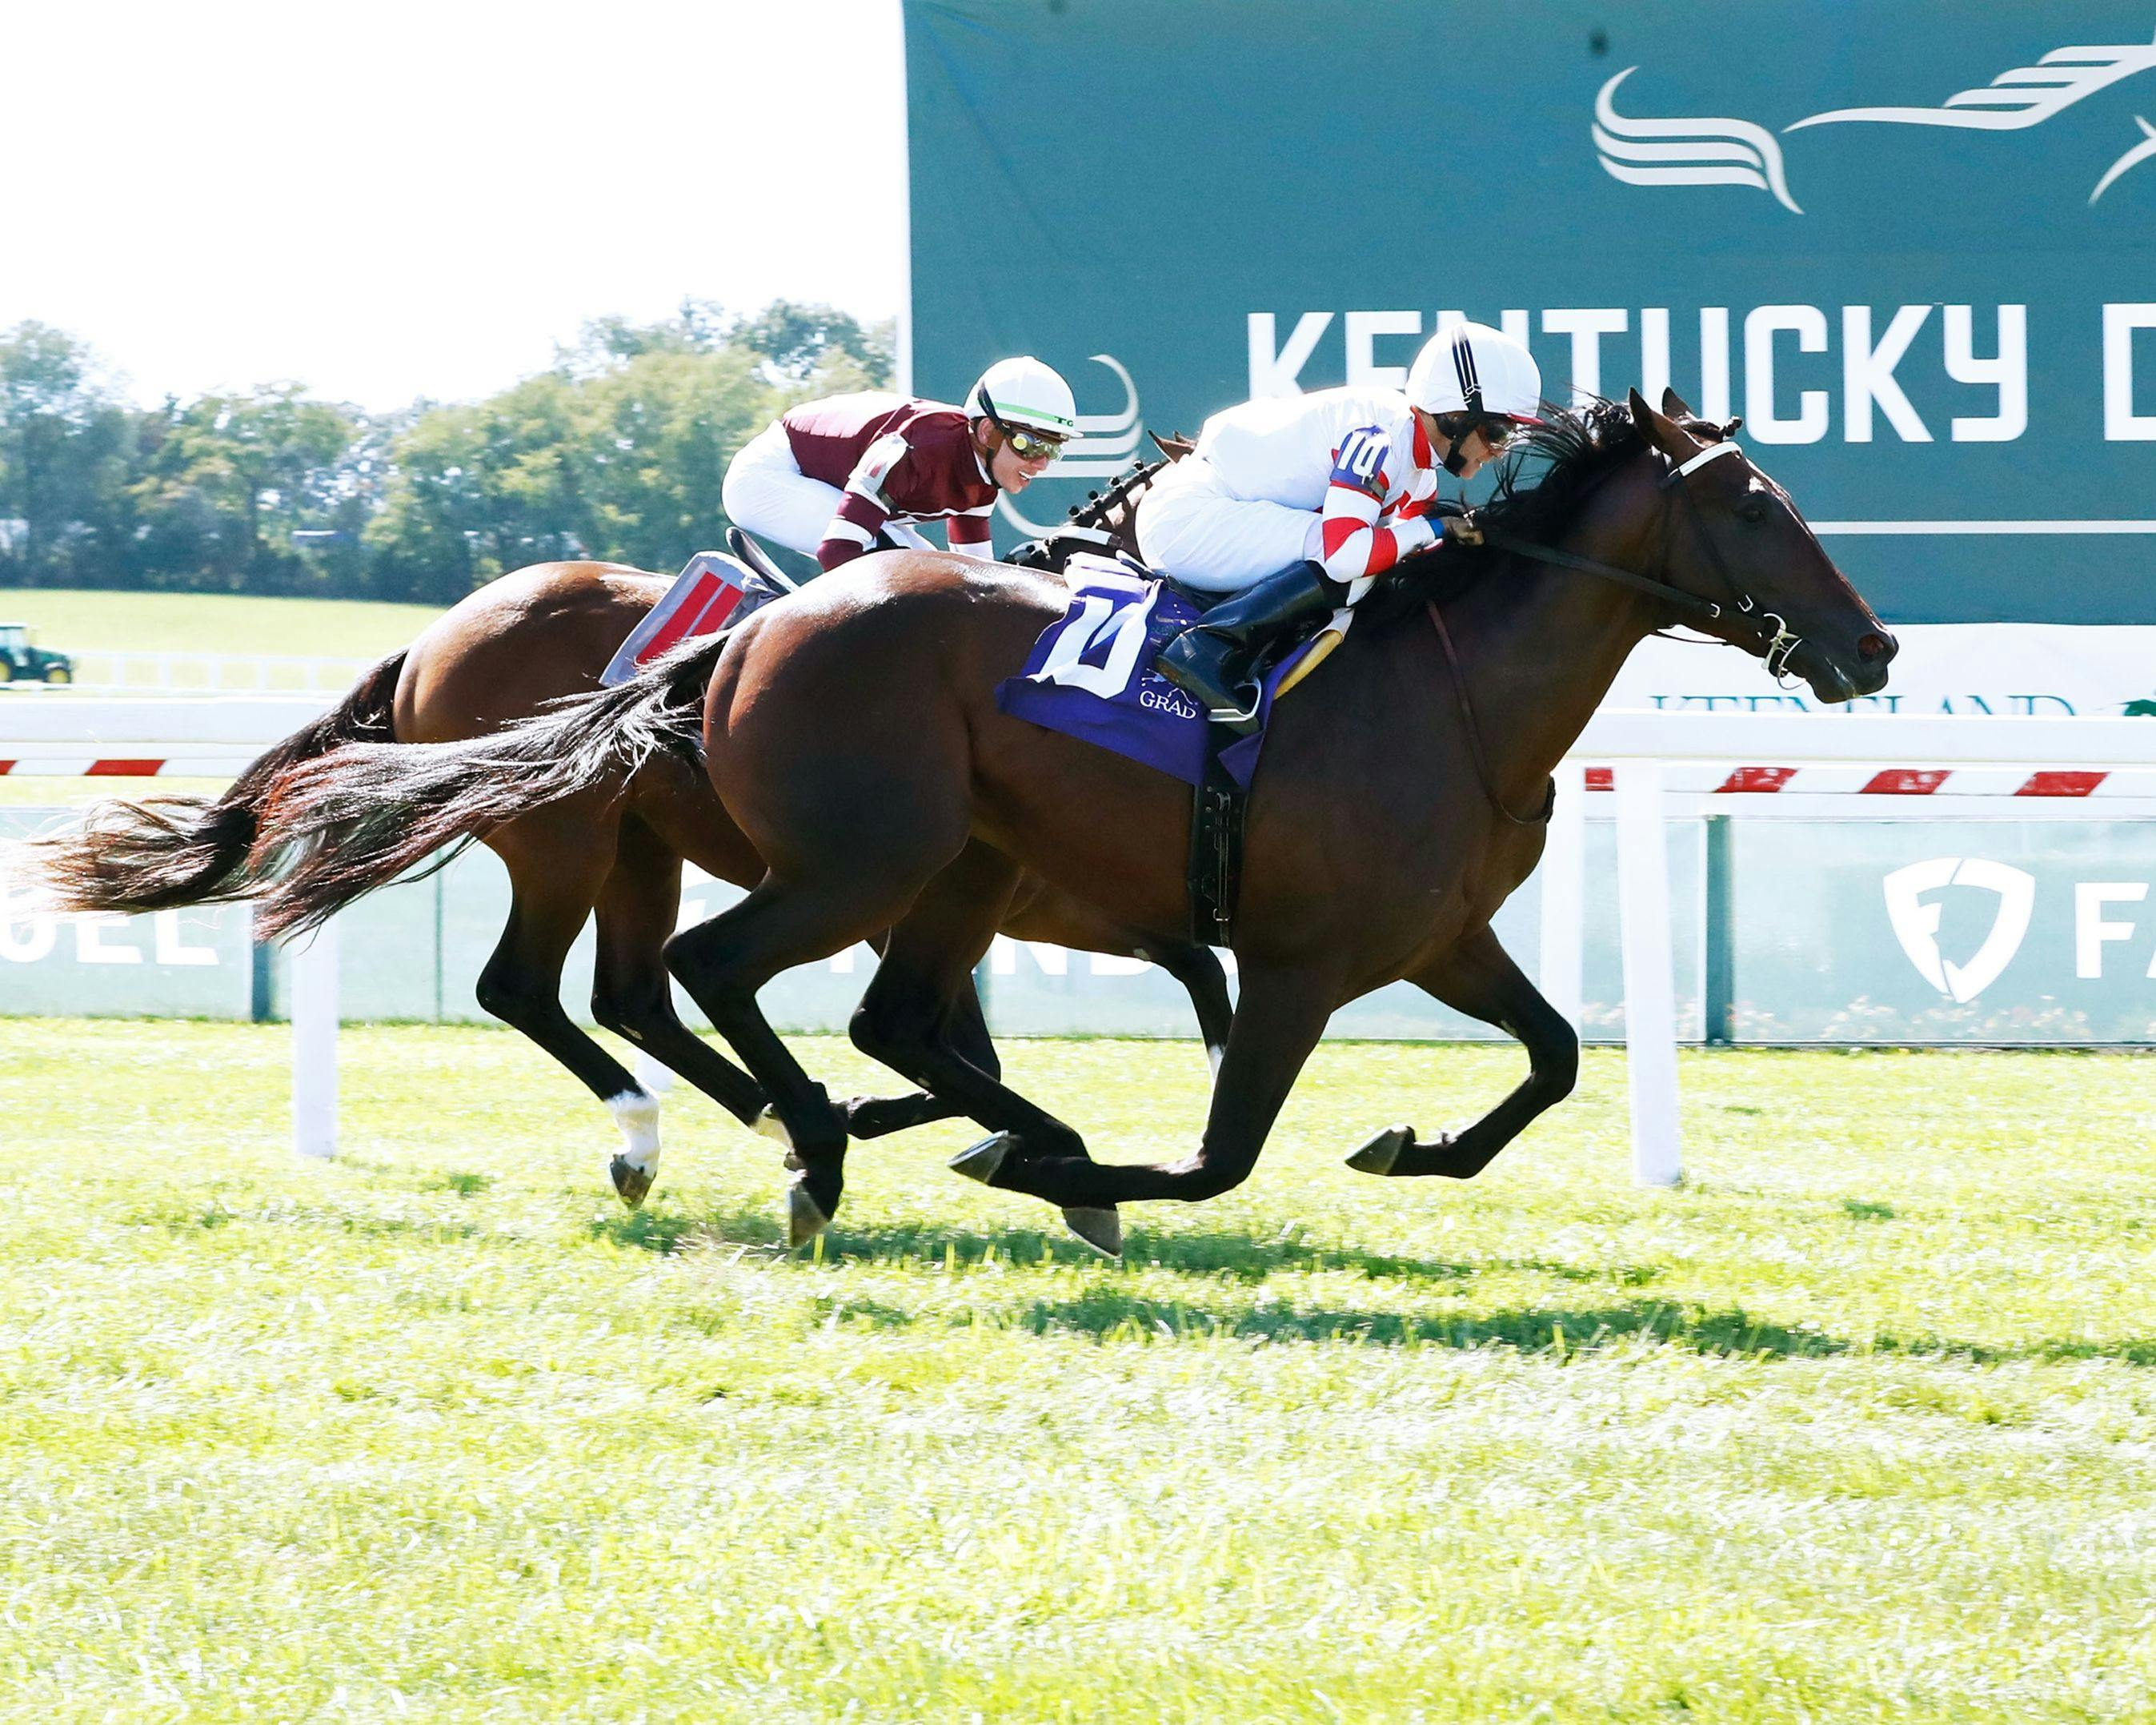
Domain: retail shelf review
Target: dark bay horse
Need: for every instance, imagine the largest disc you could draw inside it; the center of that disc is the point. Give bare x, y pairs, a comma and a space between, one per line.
613, 853
1400, 800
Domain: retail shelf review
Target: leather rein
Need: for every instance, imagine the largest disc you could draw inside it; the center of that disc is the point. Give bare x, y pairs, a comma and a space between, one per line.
1774, 645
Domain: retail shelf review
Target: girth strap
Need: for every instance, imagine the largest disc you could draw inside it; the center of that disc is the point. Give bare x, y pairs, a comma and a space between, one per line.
1217, 806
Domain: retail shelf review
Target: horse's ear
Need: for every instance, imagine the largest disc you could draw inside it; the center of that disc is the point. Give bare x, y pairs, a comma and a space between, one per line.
1674, 404
1664, 432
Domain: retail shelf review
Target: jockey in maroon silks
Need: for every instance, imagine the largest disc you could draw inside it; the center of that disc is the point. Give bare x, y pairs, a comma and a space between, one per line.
838, 478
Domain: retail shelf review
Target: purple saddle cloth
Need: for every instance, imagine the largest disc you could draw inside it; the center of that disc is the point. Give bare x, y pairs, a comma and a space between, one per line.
1091, 676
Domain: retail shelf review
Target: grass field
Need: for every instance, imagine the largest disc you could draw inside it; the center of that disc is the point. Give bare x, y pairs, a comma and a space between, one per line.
1858, 1425
211, 623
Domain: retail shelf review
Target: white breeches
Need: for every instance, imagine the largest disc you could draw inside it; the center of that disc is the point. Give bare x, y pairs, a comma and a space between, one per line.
1193, 527
766, 494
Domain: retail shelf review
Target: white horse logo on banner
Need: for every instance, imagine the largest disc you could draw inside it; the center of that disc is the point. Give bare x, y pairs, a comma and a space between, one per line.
1736, 152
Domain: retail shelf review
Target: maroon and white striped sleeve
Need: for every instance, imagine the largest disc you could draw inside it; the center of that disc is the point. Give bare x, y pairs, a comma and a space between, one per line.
862, 511
972, 533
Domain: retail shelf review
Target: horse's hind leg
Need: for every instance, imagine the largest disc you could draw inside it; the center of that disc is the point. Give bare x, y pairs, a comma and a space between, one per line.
967, 1032
724, 962
552, 892
1278, 1020
633, 995
1478, 978
922, 1017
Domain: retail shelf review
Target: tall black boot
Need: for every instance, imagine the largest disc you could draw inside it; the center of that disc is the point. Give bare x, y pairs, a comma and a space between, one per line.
1215, 661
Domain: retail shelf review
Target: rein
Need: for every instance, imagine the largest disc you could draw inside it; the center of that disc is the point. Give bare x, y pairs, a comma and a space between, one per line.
1474, 734
1774, 646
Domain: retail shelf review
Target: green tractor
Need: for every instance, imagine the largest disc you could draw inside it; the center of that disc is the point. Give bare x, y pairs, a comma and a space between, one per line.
22, 663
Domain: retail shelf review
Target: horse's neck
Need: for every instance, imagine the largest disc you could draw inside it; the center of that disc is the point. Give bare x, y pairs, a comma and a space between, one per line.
1541, 646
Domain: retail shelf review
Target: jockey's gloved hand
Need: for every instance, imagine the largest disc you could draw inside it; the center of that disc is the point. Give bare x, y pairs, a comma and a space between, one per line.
1461, 525
1032, 554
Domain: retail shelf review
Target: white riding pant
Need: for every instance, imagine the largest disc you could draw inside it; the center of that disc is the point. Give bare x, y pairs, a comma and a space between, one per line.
766, 494
1193, 527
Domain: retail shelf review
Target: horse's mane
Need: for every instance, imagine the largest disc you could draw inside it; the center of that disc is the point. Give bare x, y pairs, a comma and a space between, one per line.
1541, 485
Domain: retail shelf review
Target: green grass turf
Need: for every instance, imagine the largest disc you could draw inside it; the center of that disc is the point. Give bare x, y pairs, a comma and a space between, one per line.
77, 622
1858, 1425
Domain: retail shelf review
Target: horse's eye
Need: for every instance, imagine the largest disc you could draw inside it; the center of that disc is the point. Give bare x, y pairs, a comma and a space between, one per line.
1752, 511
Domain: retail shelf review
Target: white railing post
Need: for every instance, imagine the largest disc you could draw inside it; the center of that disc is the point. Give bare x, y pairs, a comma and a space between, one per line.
1651, 1030
1564, 895
313, 976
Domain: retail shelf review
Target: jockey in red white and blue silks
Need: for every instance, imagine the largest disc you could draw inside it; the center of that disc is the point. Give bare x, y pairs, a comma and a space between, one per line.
1297, 504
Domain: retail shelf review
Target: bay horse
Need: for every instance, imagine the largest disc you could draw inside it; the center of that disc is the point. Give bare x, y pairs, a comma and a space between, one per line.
613, 853
1400, 800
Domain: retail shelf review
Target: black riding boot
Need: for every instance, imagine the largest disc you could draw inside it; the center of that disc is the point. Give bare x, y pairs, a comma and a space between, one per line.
1216, 660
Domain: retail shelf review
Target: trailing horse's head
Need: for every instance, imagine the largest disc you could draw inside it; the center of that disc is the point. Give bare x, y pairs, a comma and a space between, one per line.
1733, 536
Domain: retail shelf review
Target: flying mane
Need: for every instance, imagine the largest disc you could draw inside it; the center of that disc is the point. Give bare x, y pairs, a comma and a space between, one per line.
1542, 485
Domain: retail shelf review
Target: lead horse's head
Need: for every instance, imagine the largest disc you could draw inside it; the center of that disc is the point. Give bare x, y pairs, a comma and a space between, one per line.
1731, 538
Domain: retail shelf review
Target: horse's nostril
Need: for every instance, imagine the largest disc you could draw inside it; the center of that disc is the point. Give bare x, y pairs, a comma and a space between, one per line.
1877, 645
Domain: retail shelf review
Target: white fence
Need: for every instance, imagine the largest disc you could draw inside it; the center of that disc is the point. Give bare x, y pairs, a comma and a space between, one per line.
218, 738
202, 673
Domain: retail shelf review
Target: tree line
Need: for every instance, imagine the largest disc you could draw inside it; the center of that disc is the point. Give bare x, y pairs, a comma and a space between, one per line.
617, 451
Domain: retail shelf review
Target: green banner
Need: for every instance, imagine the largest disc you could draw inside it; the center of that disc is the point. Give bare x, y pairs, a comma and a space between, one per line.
1908, 241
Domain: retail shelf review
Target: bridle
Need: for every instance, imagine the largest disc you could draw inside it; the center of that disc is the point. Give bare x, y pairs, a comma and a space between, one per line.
1772, 640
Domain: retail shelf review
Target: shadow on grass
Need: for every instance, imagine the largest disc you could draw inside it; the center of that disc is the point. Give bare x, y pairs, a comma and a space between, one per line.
1217, 1257
1217, 1264
1107, 1312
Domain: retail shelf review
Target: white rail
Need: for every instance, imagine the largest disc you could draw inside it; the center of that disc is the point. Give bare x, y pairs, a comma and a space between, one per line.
148, 672
1639, 746
218, 738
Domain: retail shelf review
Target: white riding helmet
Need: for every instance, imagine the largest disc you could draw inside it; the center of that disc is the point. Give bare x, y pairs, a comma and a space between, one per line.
1472, 368
1024, 392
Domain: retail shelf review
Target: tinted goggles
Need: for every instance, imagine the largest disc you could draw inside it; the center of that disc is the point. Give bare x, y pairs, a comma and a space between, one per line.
1026, 445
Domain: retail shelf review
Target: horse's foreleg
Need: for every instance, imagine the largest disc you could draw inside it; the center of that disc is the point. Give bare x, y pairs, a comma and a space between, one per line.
632, 995
1478, 978
1278, 1020
1202, 976
521, 984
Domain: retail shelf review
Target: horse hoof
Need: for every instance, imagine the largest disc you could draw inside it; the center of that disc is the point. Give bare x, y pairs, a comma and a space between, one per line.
631, 1182
804, 1217
1102, 1230
1381, 1153
767, 1125
984, 1161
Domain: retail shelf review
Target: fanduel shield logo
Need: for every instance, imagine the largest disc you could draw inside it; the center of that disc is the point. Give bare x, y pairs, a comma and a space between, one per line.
1916, 922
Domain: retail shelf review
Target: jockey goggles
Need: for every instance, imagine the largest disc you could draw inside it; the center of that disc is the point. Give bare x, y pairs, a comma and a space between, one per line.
1026, 445
1497, 432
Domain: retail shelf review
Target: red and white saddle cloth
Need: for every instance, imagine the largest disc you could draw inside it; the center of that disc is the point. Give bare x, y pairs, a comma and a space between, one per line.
710, 595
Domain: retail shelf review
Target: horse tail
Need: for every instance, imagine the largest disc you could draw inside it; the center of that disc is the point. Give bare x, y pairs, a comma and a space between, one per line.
166, 851
340, 826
